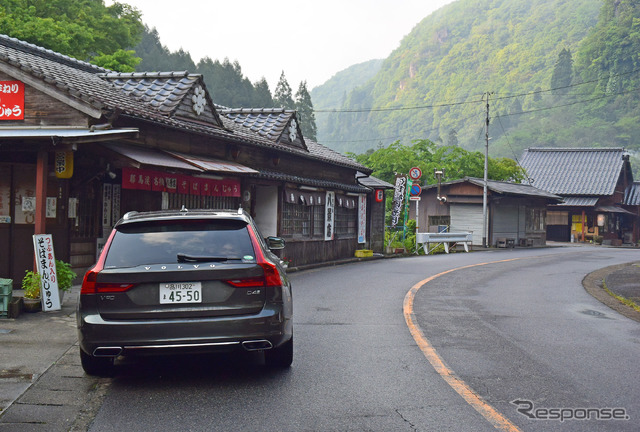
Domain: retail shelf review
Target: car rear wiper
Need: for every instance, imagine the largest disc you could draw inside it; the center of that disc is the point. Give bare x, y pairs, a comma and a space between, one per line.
192, 258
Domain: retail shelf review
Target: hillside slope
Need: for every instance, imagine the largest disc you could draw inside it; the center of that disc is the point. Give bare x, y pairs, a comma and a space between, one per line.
433, 85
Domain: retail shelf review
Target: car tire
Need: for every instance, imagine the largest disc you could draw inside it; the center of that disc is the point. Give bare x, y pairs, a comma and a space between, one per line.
280, 357
98, 366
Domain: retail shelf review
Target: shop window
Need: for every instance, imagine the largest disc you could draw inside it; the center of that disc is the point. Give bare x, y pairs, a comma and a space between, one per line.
303, 213
535, 220
557, 218
318, 221
441, 222
296, 219
346, 222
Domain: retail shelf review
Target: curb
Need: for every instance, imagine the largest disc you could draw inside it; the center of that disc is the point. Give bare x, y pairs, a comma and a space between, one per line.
594, 284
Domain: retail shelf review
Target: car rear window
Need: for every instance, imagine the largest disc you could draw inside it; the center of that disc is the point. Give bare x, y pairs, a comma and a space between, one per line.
159, 242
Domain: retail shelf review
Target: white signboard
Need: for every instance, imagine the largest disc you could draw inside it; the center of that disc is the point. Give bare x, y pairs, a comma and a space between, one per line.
106, 205
362, 218
115, 204
329, 215
46, 262
52, 203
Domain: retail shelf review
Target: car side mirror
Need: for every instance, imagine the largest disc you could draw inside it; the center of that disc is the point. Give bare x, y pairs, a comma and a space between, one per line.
275, 243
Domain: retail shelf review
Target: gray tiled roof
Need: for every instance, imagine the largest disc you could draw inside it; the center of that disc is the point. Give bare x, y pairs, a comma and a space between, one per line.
579, 201
266, 122
504, 188
136, 96
162, 90
579, 171
311, 181
632, 195
373, 182
507, 188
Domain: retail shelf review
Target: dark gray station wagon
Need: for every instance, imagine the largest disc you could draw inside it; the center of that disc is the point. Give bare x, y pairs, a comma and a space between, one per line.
182, 282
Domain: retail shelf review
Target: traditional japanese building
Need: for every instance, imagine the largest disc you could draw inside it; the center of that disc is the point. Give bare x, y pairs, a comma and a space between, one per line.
515, 212
593, 183
81, 145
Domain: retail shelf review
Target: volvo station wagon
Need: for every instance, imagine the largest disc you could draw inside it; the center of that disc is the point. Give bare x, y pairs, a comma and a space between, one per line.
185, 282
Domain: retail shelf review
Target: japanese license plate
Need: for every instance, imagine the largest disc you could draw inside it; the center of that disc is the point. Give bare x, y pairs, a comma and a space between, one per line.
180, 292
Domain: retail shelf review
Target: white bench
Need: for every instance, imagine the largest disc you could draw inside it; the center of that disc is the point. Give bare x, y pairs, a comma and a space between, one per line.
424, 240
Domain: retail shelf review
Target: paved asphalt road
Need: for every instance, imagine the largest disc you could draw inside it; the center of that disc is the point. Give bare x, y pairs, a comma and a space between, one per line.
523, 329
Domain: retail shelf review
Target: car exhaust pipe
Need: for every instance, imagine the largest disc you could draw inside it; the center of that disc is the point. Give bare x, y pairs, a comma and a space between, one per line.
257, 345
107, 351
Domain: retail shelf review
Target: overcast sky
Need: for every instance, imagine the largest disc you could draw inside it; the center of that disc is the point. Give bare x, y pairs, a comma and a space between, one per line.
307, 39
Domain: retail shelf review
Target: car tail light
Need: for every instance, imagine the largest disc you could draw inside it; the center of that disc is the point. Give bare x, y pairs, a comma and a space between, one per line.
247, 282
90, 285
271, 276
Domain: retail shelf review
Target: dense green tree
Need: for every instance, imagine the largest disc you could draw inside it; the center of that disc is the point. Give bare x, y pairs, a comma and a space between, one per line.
452, 138
84, 29
304, 107
262, 96
224, 80
562, 72
157, 57
456, 161
283, 95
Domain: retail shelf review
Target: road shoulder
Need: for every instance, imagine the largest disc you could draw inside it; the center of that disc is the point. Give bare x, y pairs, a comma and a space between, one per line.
614, 276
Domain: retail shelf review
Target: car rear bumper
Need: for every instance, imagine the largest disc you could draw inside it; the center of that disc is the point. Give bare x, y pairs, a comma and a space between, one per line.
268, 328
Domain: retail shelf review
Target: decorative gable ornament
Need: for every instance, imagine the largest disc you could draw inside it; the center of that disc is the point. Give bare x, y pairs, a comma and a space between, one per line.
198, 100
293, 130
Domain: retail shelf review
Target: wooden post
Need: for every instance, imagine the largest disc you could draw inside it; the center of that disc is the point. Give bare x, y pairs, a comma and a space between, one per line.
584, 221
41, 192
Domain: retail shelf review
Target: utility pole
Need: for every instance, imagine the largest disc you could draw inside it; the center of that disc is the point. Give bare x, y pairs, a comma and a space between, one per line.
486, 170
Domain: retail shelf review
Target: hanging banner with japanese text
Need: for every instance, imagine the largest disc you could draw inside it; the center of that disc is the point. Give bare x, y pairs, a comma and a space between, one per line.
398, 199
329, 214
139, 179
362, 218
46, 263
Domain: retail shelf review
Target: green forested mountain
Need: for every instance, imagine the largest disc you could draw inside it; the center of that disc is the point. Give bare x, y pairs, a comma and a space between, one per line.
333, 93
559, 73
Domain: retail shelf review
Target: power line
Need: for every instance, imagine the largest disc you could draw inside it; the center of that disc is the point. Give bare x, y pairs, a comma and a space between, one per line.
467, 102
604, 96
363, 110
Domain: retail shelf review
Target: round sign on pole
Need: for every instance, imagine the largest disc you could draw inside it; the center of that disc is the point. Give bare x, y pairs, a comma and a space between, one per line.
415, 173
416, 190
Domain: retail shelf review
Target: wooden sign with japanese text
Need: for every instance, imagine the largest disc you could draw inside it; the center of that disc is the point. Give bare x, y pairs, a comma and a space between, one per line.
46, 263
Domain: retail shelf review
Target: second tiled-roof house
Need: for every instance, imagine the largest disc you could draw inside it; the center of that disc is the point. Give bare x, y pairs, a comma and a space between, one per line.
592, 182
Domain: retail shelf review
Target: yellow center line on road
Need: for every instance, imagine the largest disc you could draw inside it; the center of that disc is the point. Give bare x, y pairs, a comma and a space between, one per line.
499, 421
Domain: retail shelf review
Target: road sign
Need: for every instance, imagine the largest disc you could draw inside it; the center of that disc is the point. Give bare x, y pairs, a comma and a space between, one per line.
416, 190
414, 198
415, 173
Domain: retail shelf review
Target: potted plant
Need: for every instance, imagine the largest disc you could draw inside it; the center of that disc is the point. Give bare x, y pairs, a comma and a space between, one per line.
31, 287
65, 277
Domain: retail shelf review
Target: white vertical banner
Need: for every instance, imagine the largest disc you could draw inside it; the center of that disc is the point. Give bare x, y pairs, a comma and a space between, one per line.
398, 199
329, 215
106, 205
46, 263
362, 218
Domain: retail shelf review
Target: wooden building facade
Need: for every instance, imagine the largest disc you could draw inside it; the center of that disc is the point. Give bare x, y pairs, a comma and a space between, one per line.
515, 212
81, 145
593, 183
